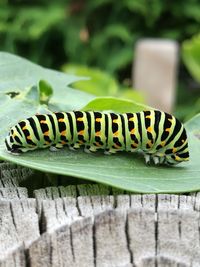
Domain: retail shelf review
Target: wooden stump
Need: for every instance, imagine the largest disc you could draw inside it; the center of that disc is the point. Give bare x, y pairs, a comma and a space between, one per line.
68, 226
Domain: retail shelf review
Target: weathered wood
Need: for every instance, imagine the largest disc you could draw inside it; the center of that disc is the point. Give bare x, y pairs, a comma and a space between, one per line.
58, 212
11, 175
111, 240
65, 210
16, 258
178, 236
66, 226
67, 246
13, 192
141, 236
56, 192
94, 204
18, 225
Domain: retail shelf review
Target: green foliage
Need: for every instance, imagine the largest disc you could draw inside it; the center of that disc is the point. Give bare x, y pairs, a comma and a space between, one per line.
98, 33
115, 104
19, 97
191, 57
101, 83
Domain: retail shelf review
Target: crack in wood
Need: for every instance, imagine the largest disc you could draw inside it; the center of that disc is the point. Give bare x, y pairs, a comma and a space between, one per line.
94, 244
156, 230
71, 244
126, 230
13, 216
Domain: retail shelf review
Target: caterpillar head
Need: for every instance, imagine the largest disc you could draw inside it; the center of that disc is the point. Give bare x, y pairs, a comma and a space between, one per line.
13, 142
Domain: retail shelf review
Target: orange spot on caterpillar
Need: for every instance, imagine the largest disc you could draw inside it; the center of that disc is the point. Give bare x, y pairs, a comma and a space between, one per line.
24, 128
132, 131
133, 145
116, 120
162, 143
182, 140
149, 143
80, 119
63, 142
116, 146
116, 133
81, 132
98, 133
98, 119
171, 120
28, 137
148, 117
80, 142
61, 120
46, 133
174, 150
177, 158
43, 121
63, 132
149, 129
167, 130
131, 119
47, 142
98, 144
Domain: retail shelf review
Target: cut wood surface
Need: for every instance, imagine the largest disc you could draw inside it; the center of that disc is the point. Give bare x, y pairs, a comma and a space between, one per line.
68, 226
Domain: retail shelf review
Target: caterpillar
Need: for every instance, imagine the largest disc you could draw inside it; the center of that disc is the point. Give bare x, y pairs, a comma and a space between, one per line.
160, 136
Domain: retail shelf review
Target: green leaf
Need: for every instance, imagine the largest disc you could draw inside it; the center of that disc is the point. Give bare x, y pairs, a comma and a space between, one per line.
20, 96
191, 56
115, 104
130, 94
193, 126
99, 83
124, 170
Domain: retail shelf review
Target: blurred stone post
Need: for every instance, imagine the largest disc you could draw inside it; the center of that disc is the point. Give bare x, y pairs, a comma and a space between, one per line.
155, 72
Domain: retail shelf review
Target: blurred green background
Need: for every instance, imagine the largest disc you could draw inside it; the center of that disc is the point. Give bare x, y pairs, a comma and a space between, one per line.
96, 38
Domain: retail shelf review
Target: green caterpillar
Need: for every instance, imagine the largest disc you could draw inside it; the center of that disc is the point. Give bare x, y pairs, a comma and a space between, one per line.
160, 136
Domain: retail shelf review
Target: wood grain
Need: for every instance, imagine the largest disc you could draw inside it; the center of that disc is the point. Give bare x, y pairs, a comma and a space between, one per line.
70, 226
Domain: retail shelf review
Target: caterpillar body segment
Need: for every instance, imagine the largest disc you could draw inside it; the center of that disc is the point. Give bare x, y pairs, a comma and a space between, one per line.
160, 136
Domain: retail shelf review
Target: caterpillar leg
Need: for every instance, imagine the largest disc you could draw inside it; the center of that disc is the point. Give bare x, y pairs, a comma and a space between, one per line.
158, 160
90, 149
56, 147
74, 147
155, 158
147, 158
110, 151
